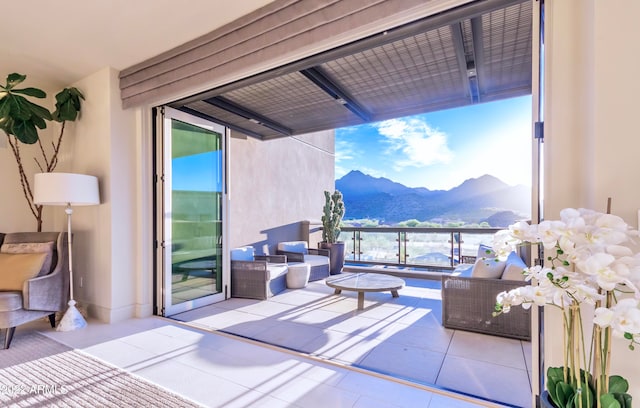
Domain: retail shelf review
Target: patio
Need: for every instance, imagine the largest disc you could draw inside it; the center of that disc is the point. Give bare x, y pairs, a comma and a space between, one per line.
402, 337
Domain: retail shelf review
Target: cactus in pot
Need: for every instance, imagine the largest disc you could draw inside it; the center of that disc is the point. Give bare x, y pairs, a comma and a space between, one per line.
332, 214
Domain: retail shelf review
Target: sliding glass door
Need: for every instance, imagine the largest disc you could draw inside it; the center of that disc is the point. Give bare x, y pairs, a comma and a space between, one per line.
191, 216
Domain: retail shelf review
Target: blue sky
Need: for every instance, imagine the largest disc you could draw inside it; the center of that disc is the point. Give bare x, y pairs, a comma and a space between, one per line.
442, 149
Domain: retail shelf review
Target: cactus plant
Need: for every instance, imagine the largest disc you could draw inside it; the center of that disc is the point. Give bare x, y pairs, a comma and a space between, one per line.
332, 214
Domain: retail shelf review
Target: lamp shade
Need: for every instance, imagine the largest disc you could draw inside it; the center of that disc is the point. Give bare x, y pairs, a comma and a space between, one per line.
65, 189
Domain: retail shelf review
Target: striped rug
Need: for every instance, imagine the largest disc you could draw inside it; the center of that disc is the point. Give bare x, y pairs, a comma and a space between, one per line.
39, 372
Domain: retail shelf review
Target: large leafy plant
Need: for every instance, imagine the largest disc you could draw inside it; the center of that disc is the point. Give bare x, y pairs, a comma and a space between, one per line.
20, 120
590, 262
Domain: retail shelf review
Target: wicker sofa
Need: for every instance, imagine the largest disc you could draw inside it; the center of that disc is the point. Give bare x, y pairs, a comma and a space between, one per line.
45, 292
468, 302
298, 251
257, 276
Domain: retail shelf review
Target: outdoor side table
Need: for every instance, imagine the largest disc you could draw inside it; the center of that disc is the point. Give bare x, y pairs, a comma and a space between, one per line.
298, 275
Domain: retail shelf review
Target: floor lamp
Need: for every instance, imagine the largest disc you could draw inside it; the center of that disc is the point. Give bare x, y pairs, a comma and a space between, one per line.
70, 190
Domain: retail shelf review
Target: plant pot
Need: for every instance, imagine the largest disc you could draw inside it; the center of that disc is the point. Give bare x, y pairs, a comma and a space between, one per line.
336, 256
545, 400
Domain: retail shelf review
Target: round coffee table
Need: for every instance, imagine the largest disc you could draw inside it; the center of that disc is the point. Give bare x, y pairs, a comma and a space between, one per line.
365, 282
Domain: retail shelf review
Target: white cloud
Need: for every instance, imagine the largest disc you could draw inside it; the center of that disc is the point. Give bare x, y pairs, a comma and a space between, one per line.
344, 151
419, 144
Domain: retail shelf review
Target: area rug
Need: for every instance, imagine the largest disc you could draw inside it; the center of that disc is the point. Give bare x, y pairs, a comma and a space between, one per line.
39, 372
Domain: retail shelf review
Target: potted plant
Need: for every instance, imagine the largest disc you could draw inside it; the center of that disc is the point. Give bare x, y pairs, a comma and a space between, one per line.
20, 120
332, 214
591, 276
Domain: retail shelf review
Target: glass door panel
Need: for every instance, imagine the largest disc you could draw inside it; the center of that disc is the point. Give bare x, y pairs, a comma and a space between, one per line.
192, 212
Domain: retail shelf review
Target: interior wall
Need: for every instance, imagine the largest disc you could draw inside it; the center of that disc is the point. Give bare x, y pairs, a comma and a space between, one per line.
104, 236
590, 127
277, 184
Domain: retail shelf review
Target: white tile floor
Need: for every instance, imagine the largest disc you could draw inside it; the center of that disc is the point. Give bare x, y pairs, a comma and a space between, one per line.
401, 337
218, 370
347, 352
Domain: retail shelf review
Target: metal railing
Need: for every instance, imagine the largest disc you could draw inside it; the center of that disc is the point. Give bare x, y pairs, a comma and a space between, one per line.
430, 248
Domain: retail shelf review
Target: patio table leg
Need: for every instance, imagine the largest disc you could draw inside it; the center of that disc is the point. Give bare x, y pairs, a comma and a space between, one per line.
337, 291
394, 293
360, 300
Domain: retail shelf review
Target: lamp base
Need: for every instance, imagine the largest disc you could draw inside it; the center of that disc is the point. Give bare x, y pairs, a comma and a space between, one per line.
72, 319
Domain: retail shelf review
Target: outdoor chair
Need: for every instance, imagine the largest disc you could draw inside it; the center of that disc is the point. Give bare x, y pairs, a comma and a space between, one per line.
299, 251
257, 276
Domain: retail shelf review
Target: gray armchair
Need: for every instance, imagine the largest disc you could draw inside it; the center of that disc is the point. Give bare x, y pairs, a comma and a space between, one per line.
40, 296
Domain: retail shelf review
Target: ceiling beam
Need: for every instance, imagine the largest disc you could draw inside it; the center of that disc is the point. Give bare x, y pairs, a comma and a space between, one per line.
322, 81
223, 123
478, 50
461, 57
252, 116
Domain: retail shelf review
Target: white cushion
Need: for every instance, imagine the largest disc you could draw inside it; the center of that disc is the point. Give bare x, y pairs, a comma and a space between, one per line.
488, 268
315, 260
242, 254
293, 246
276, 270
514, 267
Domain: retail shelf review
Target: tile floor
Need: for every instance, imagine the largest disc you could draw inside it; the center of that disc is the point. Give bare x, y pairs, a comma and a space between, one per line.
219, 370
382, 356
401, 337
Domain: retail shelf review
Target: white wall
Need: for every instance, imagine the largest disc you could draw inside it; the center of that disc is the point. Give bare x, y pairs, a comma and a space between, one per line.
105, 250
591, 137
277, 184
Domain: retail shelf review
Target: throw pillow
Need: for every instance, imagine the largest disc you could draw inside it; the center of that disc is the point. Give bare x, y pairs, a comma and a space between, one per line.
32, 248
489, 268
485, 251
17, 268
514, 267
294, 246
513, 272
242, 254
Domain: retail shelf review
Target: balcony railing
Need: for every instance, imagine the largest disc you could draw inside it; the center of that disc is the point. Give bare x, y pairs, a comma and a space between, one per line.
429, 248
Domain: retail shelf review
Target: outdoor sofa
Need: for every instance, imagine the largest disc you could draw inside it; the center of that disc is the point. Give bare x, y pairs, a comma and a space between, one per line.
469, 297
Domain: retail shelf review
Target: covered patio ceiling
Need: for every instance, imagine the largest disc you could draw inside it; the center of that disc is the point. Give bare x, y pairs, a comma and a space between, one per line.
465, 56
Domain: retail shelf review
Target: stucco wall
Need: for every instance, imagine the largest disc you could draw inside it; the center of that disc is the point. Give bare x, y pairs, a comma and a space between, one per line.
591, 142
276, 184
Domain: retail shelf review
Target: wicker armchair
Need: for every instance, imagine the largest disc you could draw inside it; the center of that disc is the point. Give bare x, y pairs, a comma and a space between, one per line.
298, 251
257, 276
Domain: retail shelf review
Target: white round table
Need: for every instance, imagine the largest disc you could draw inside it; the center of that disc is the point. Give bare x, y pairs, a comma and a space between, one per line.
298, 275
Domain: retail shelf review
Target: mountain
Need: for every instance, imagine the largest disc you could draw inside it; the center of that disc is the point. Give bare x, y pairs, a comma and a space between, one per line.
475, 200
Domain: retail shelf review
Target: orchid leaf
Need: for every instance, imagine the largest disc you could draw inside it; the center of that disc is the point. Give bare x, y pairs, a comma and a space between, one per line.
618, 385
565, 394
609, 401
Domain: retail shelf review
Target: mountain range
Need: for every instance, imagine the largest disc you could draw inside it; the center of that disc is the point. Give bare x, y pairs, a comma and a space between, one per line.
476, 200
